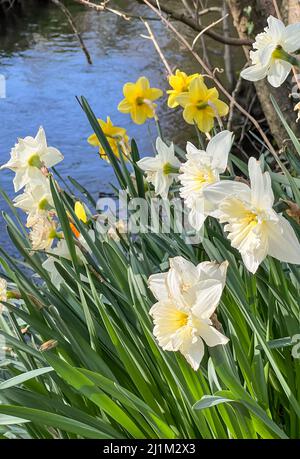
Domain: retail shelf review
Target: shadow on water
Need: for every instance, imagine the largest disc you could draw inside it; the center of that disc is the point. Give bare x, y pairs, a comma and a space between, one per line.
45, 69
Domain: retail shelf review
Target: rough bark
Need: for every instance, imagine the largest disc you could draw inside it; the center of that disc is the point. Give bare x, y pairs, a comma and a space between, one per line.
260, 10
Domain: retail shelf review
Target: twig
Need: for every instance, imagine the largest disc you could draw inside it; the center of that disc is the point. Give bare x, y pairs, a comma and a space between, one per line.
191, 23
103, 7
277, 9
231, 108
157, 47
72, 24
216, 81
207, 28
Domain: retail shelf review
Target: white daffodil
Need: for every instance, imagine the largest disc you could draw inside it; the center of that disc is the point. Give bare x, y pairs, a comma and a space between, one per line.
187, 298
162, 169
271, 57
29, 156
3, 293
202, 169
35, 199
253, 227
43, 232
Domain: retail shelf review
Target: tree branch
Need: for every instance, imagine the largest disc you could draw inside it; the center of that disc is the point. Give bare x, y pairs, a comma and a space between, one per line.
72, 24
191, 23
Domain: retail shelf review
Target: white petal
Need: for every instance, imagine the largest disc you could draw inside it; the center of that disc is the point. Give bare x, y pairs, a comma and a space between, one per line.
219, 191
158, 286
186, 270
261, 190
162, 184
283, 242
193, 152
252, 261
166, 153
20, 179
219, 147
213, 270
149, 164
291, 41
211, 335
194, 353
197, 214
276, 28
52, 157
255, 72
278, 72
207, 298
40, 138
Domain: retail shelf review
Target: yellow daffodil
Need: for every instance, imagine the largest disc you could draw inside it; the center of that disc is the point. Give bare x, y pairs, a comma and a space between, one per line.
180, 82
201, 105
80, 212
115, 135
138, 100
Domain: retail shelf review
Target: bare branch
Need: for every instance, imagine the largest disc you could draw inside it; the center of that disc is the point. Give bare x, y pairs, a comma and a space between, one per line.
157, 47
198, 27
207, 28
72, 24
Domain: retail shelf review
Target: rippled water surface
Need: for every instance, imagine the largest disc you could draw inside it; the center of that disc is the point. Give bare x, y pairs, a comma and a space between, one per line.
45, 69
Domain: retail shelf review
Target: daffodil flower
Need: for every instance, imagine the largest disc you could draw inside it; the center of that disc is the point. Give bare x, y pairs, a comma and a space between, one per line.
29, 156
116, 137
271, 57
201, 105
138, 100
162, 169
253, 226
180, 82
187, 296
36, 198
3, 293
202, 169
43, 232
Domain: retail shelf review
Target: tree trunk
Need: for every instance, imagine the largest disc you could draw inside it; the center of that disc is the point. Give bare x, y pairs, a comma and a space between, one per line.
242, 16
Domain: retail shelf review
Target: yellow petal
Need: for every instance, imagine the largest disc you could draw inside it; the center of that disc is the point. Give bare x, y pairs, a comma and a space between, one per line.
93, 140
143, 84
190, 113
153, 94
80, 212
130, 91
172, 101
124, 106
221, 107
205, 119
198, 89
183, 99
139, 114
212, 94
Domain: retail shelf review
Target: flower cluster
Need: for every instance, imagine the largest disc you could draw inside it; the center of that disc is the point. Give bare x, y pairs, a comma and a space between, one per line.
30, 160
200, 104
